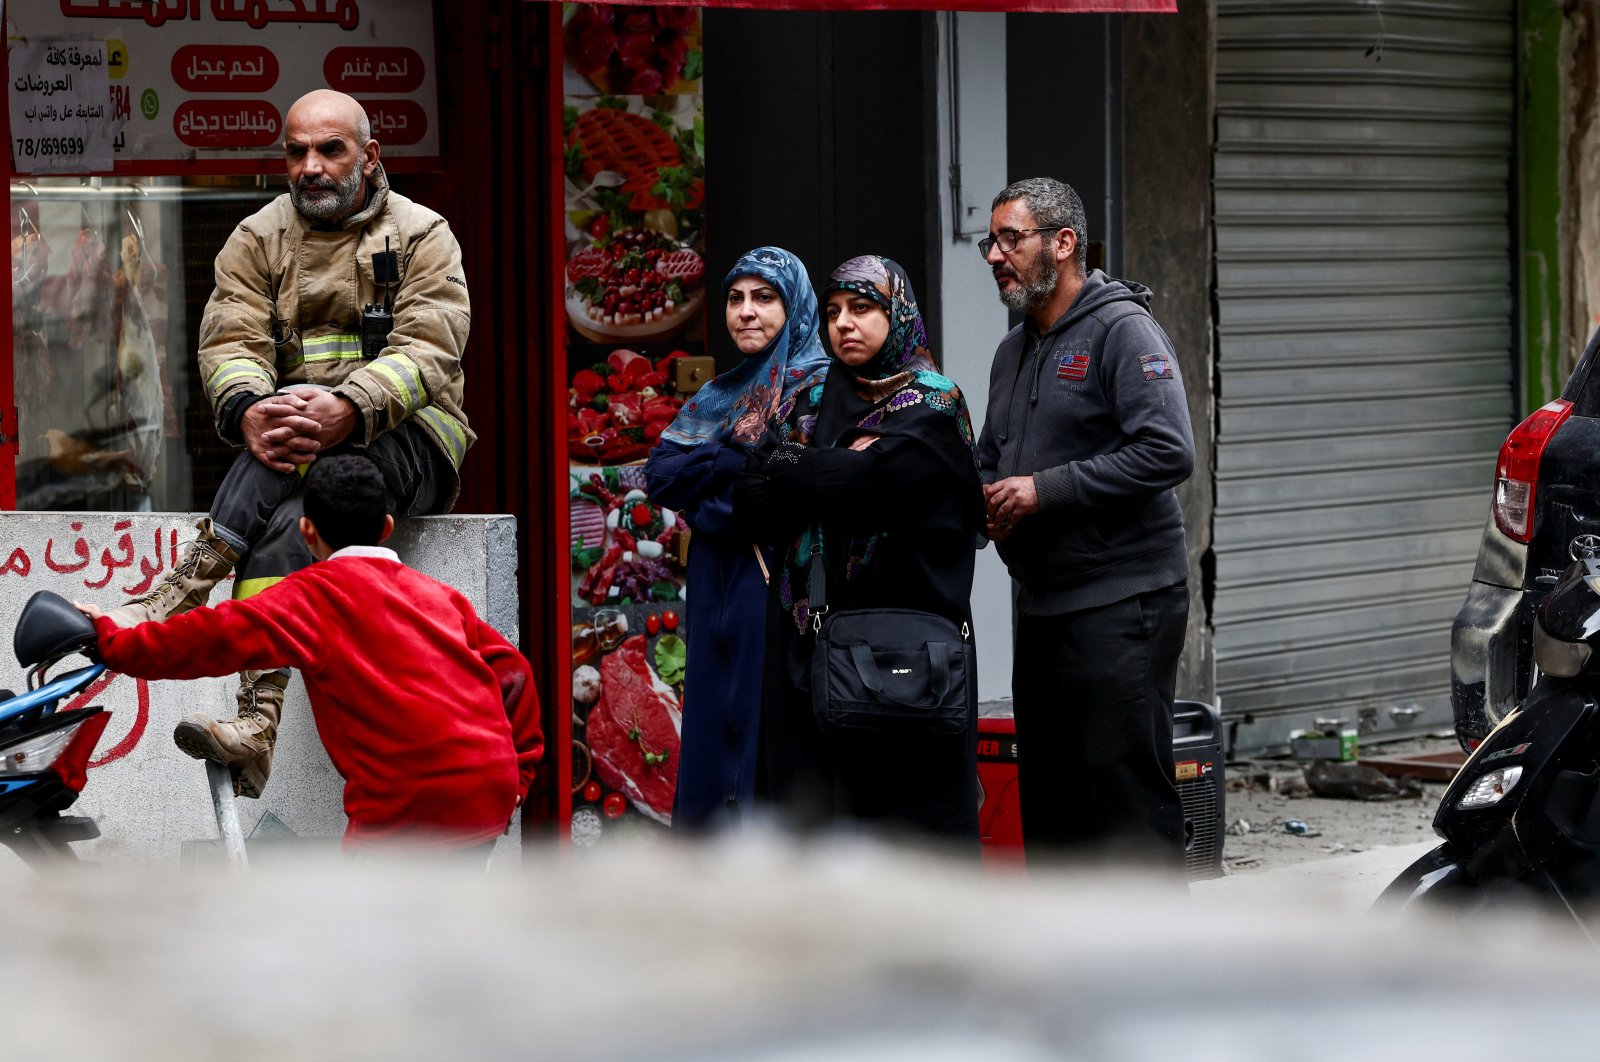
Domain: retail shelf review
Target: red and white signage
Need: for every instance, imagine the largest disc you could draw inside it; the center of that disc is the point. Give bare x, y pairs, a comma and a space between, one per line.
1075, 6
203, 85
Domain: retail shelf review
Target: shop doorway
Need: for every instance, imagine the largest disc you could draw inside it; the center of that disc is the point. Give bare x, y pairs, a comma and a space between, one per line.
820, 131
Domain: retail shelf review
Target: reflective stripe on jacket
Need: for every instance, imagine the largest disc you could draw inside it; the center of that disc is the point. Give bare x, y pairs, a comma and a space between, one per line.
287, 310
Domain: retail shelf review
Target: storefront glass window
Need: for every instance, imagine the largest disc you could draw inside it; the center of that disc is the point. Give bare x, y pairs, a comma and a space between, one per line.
109, 277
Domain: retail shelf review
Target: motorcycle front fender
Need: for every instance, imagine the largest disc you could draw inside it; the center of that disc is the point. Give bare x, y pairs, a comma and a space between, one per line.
1433, 878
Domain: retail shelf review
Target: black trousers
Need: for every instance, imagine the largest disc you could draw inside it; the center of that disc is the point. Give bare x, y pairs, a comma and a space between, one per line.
257, 510
1093, 693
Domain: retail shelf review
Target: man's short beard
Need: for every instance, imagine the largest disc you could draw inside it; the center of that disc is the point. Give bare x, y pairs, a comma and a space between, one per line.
1033, 287
336, 207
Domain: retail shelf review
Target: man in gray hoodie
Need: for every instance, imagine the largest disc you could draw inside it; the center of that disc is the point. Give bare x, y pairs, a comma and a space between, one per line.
1086, 436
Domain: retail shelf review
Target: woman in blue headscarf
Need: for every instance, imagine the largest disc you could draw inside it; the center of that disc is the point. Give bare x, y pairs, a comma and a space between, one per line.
875, 467
772, 316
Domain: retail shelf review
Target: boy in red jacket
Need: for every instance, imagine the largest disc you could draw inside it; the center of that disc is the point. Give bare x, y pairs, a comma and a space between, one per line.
425, 710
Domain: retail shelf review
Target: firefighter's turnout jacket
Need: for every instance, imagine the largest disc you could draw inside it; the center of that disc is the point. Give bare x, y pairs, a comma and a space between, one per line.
288, 304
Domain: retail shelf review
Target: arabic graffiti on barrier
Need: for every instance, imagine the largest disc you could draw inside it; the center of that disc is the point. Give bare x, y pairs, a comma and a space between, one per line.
151, 565
141, 718
224, 68
254, 13
126, 566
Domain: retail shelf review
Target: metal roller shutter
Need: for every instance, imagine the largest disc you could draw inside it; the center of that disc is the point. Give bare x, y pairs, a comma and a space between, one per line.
1364, 350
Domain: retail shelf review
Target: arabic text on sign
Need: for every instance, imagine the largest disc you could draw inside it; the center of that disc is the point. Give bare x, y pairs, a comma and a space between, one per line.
346, 14
374, 69
73, 56
44, 86
396, 122
224, 68
227, 123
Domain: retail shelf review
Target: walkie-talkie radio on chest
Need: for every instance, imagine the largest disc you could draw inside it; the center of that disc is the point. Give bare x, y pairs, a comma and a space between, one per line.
377, 318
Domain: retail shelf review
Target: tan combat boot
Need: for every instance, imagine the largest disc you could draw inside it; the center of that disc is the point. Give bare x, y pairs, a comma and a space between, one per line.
242, 744
187, 586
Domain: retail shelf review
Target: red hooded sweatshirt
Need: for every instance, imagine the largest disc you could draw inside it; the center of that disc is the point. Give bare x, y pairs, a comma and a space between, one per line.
425, 710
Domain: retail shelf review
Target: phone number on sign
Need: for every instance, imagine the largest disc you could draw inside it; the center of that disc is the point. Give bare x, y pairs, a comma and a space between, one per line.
27, 147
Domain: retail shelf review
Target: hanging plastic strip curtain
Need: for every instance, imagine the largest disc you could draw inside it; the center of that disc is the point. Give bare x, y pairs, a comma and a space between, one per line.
1081, 6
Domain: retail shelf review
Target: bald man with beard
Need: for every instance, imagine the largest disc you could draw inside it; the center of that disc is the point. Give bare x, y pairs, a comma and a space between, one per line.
289, 379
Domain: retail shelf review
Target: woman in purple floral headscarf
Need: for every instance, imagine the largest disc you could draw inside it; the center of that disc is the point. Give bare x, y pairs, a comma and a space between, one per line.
875, 465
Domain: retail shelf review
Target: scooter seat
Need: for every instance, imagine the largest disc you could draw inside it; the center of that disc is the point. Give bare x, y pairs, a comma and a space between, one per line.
50, 627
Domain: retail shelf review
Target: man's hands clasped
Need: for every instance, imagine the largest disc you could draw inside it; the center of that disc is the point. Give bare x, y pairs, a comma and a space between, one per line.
290, 428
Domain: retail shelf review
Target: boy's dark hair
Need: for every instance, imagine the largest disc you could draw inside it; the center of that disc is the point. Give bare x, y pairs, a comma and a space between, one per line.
345, 499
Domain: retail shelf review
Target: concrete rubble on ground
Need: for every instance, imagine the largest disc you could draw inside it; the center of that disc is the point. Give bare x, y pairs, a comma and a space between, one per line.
1264, 795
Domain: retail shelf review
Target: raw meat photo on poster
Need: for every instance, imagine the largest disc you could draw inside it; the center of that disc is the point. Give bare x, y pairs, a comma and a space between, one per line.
625, 549
635, 193
628, 654
631, 48
632, 285
620, 399
627, 718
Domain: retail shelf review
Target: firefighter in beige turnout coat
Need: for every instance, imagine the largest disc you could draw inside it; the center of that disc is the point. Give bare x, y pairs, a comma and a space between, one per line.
281, 357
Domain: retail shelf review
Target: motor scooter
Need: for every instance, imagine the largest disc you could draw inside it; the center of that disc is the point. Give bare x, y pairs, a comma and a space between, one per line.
1521, 819
44, 753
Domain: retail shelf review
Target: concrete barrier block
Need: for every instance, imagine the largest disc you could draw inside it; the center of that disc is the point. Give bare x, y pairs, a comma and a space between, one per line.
150, 800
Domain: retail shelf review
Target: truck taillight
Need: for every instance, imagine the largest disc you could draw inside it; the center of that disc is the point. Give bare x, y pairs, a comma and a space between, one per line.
1517, 472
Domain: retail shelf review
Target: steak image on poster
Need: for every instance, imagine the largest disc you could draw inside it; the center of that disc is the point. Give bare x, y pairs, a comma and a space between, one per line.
633, 731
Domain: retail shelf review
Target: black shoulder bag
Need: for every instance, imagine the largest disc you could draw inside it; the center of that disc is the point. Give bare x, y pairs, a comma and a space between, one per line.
888, 668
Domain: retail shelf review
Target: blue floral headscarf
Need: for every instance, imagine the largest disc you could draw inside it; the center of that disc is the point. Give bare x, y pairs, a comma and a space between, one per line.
743, 402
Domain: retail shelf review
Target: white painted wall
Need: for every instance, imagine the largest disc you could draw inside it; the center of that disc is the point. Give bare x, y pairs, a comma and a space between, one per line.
972, 317
148, 798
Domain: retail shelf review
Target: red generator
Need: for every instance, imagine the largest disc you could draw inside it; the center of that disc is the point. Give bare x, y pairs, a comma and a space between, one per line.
999, 814
1197, 762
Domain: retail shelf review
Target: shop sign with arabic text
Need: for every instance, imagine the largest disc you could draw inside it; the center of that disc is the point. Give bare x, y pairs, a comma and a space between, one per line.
203, 85
1074, 6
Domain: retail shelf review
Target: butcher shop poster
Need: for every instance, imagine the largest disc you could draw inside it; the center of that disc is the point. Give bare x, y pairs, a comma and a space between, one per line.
202, 85
633, 138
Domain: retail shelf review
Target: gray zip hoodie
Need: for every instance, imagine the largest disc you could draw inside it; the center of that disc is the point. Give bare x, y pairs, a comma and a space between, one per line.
1094, 410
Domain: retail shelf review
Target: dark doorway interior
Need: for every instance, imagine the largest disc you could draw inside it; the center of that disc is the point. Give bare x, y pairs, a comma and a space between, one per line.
1064, 115
819, 138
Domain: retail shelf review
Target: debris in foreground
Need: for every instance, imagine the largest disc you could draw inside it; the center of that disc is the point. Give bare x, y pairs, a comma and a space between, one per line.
1344, 780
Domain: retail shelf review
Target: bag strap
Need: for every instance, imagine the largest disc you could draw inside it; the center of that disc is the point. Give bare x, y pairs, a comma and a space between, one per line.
872, 678
817, 586
939, 659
